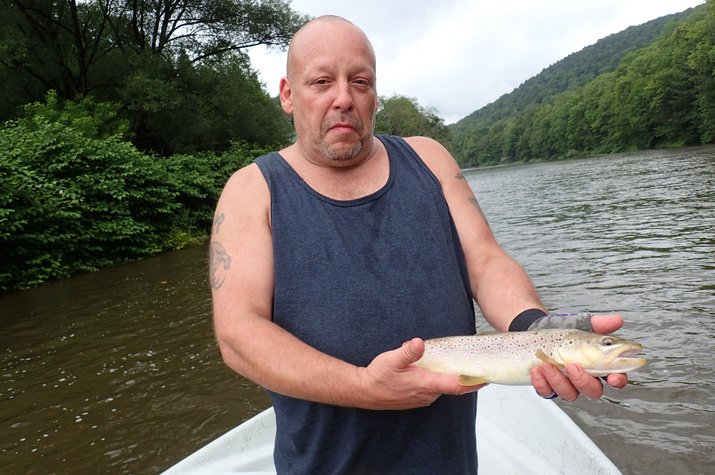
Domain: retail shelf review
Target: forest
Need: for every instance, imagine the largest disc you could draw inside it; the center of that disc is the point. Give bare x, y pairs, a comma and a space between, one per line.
650, 86
122, 120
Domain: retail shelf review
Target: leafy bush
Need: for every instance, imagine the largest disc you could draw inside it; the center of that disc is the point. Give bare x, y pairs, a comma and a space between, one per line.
76, 196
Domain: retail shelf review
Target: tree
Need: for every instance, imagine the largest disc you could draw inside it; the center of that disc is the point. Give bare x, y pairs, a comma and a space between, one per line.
152, 51
202, 106
702, 64
60, 43
659, 95
204, 28
403, 116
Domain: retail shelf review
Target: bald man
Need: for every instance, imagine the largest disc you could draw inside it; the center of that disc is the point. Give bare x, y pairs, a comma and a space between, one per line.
333, 259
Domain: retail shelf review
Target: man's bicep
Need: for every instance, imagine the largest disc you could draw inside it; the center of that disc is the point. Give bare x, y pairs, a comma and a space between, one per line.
241, 250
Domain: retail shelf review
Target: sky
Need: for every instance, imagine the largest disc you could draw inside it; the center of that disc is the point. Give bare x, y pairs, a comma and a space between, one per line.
456, 56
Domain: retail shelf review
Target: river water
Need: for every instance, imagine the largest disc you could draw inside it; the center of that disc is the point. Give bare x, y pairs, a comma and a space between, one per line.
117, 371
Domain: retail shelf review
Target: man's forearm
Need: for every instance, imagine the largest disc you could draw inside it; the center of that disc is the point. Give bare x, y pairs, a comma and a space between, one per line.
288, 366
503, 290
273, 358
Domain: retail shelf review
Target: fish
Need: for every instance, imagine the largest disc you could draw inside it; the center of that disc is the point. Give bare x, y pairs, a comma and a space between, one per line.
507, 357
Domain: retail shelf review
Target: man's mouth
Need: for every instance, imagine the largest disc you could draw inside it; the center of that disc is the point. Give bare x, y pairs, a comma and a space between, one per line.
343, 126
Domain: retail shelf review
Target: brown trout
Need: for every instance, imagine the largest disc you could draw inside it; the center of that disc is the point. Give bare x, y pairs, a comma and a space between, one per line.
507, 358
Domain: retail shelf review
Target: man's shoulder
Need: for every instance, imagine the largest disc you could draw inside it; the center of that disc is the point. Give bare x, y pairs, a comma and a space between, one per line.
420, 141
246, 186
433, 154
245, 176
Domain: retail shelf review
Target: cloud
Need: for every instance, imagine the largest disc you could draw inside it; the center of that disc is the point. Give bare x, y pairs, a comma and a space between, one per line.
459, 55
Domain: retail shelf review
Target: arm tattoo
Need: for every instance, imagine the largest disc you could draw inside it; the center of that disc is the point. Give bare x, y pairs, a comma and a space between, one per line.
218, 220
219, 260
473, 200
219, 264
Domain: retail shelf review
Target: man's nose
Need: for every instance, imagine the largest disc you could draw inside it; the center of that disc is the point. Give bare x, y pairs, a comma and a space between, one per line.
343, 96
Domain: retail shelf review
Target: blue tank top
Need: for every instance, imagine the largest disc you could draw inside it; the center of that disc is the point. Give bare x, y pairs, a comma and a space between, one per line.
357, 278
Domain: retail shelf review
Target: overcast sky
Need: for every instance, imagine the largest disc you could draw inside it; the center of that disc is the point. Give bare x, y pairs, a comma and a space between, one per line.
459, 55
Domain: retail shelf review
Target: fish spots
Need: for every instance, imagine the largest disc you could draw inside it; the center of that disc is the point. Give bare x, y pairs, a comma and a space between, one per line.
506, 358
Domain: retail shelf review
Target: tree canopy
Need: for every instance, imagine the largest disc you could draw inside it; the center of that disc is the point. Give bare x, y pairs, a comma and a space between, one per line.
178, 66
658, 95
404, 116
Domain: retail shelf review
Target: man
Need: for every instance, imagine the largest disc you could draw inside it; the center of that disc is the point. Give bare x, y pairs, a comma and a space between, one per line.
332, 261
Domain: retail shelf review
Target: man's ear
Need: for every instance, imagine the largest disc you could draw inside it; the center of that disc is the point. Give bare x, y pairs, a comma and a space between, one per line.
286, 95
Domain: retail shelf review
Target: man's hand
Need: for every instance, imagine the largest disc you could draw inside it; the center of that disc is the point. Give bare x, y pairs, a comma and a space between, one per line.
548, 380
393, 381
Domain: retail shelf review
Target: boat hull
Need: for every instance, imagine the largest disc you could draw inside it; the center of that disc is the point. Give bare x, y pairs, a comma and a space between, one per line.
517, 433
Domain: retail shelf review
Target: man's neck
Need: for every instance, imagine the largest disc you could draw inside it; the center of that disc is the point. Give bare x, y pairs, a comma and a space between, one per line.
342, 180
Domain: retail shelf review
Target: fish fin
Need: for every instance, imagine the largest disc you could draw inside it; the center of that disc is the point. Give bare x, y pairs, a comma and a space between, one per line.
547, 359
465, 380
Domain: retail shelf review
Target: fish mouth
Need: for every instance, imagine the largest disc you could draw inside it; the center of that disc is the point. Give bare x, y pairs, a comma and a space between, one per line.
621, 350
623, 358
629, 353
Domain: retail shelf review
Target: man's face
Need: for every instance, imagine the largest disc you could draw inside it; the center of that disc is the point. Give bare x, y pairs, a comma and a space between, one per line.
330, 91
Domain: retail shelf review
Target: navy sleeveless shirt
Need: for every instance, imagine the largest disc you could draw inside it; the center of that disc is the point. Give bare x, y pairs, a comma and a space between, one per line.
357, 278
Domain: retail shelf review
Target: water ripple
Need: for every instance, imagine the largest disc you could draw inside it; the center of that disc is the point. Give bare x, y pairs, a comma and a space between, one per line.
633, 234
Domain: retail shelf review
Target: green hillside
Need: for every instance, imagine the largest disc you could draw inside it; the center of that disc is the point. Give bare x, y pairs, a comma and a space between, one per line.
647, 86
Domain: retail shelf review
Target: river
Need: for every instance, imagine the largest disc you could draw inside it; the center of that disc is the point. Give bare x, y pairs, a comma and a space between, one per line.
117, 371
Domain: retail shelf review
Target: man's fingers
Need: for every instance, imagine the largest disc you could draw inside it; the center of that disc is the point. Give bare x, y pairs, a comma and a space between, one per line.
412, 351
584, 383
548, 380
605, 324
560, 383
541, 385
617, 381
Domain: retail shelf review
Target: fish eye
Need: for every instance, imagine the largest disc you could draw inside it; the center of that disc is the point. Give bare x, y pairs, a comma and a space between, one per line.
608, 341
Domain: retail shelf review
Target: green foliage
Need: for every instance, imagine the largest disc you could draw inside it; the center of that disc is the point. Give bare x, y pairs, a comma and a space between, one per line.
178, 66
701, 63
403, 116
171, 76
224, 101
75, 196
659, 95
86, 116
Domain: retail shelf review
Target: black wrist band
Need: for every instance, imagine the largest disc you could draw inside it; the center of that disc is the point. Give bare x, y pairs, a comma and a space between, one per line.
523, 321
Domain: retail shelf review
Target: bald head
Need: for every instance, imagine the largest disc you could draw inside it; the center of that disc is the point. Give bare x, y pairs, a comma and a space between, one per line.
330, 91
320, 31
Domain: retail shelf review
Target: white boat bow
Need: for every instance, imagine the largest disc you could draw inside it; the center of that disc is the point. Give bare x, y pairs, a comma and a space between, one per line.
517, 433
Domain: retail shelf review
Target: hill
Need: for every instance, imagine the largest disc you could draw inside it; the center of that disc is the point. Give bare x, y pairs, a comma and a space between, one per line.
494, 132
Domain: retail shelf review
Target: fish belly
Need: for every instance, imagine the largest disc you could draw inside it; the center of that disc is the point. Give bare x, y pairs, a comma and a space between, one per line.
497, 370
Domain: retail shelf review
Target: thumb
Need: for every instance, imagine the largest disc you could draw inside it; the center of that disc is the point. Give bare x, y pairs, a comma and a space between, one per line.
411, 351
606, 324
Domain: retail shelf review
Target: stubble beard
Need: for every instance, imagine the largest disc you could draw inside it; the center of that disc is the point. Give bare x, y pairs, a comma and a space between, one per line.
340, 154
